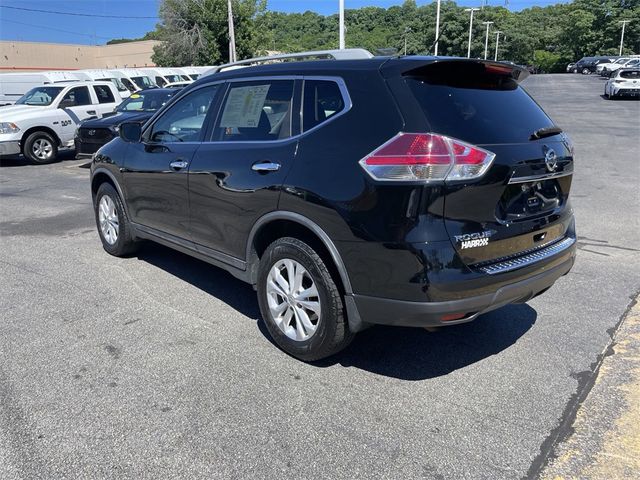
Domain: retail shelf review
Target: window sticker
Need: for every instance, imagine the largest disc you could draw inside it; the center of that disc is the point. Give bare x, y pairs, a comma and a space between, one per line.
244, 106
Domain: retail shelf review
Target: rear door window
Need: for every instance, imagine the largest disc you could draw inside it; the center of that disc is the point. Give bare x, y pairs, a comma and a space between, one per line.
322, 101
104, 94
256, 111
79, 96
475, 106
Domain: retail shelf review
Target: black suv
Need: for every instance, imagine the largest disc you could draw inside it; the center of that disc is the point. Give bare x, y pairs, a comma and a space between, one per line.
139, 107
414, 191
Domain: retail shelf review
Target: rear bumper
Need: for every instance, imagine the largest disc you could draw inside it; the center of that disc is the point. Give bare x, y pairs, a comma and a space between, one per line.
626, 92
384, 311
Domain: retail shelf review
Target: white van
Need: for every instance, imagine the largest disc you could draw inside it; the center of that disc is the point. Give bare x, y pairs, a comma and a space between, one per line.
139, 79
126, 81
162, 76
103, 76
15, 85
189, 74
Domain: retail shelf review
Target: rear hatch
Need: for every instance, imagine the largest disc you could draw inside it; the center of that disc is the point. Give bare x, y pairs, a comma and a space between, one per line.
521, 203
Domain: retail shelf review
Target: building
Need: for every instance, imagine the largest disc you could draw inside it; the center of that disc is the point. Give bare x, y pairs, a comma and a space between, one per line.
36, 56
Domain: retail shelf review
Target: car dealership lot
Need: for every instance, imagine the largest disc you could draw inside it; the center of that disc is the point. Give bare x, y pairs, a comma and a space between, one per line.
156, 366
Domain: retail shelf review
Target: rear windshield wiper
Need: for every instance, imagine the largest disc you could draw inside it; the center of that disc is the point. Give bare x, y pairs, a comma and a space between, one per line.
545, 132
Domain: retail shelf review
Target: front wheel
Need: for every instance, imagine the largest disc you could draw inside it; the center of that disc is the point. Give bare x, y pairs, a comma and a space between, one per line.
113, 224
40, 147
299, 301
586, 71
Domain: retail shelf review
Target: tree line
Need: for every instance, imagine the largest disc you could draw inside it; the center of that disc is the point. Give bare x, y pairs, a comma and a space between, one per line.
195, 32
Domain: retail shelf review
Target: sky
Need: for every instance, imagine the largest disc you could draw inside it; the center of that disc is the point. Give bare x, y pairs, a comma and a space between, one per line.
91, 26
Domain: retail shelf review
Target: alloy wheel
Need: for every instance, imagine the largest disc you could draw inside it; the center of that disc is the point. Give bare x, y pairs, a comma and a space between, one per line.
293, 299
108, 219
42, 149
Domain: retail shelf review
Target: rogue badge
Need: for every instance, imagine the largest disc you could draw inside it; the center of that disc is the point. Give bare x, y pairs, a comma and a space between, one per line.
477, 239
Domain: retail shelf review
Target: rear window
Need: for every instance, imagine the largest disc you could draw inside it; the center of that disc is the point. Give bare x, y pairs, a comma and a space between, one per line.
480, 108
104, 94
635, 74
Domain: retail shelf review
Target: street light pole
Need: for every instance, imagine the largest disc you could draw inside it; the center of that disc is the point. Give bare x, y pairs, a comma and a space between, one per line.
623, 22
486, 39
341, 24
435, 51
470, 28
498, 32
406, 33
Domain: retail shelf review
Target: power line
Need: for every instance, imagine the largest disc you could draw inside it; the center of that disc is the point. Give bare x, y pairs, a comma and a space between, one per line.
77, 14
55, 29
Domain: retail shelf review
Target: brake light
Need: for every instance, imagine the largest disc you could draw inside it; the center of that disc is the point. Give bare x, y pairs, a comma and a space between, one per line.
426, 157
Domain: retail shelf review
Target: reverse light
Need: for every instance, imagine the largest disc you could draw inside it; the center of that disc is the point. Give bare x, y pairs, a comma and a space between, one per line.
428, 157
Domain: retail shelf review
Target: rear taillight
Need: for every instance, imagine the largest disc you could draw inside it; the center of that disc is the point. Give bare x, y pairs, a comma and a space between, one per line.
426, 157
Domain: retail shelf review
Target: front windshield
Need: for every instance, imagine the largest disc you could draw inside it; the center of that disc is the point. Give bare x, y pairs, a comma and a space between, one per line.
41, 96
116, 81
622, 60
143, 82
146, 101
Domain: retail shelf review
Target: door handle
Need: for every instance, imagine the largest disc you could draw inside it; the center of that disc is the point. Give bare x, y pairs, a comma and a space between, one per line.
265, 166
179, 165
91, 112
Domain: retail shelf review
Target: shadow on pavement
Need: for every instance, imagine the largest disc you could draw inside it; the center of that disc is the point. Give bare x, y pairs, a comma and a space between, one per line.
22, 161
403, 353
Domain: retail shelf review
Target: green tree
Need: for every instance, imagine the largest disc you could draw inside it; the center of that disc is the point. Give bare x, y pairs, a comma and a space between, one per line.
195, 32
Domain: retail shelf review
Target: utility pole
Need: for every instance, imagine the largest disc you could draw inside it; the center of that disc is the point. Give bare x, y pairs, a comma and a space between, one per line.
232, 36
470, 28
486, 39
498, 32
435, 51
406, 34
341, 26
624, 23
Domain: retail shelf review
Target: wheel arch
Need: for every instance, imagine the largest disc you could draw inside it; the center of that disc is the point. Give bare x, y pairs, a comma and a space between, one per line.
102, 175
274, 225
40, 128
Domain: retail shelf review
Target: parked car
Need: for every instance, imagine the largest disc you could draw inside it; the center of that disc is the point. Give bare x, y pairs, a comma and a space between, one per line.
582, 64
589, 66
624, 82
415, 191
15, 85
605, 65
631, 63
139, 107
44, 119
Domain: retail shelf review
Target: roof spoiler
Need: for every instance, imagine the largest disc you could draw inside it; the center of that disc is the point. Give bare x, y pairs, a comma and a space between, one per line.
407, 66
345, 54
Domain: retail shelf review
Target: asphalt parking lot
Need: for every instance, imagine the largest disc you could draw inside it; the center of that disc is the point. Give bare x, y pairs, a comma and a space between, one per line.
157, 366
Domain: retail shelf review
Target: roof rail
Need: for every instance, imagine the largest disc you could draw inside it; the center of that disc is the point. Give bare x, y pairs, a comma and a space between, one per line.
345, 54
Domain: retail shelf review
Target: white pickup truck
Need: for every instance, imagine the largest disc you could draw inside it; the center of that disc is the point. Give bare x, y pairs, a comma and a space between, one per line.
45, 118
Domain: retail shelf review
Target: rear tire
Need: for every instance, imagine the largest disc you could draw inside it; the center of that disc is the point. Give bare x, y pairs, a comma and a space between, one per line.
113, 225
586, 71
289, 270
40, 148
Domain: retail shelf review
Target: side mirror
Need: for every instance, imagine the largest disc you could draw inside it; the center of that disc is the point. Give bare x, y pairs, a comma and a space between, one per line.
131, 132
66, 103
